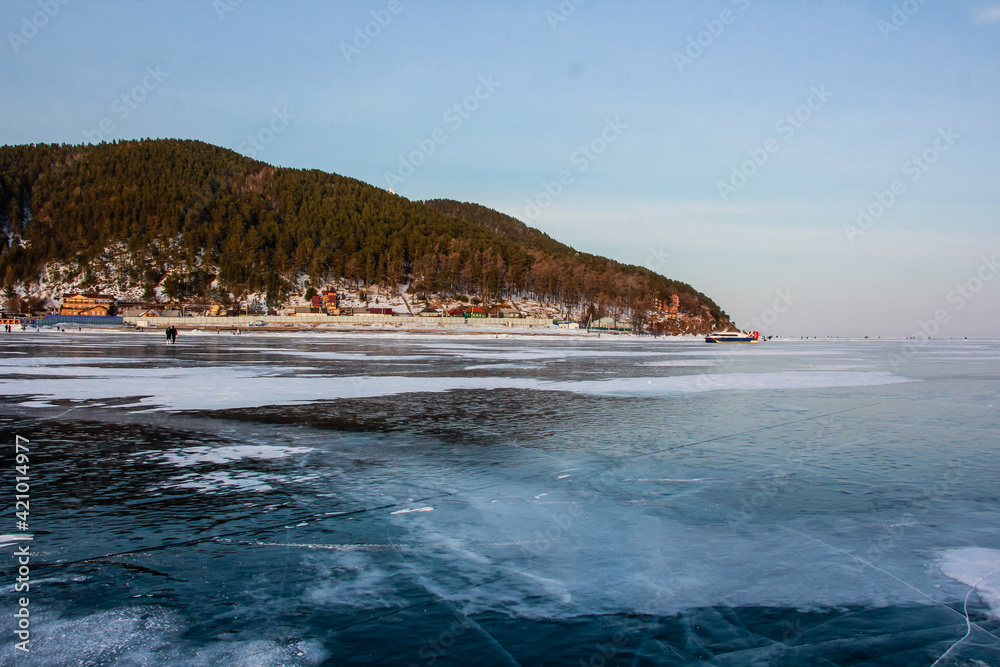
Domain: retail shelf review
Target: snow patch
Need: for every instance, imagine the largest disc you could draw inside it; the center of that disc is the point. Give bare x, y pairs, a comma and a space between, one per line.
979, 568
416, 509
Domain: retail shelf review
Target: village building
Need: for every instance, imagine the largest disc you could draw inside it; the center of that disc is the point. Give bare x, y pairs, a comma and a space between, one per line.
609, 324
670, 308
329, 302
140, 312
87, 304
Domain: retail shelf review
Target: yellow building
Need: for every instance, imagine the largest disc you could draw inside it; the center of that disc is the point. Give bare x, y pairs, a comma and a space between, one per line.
87, 304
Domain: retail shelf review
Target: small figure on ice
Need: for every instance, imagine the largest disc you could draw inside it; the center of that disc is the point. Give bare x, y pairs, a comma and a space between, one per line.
171, 334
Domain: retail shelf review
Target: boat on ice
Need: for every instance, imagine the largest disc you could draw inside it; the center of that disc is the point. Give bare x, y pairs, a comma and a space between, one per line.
733, 337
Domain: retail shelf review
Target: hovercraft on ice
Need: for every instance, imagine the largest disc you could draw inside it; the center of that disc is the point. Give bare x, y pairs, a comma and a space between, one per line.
733, 337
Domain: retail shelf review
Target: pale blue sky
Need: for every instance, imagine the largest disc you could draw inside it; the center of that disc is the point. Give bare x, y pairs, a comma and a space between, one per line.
652, 195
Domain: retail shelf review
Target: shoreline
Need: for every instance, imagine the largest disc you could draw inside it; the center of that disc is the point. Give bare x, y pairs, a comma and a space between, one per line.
373, 329
475, 332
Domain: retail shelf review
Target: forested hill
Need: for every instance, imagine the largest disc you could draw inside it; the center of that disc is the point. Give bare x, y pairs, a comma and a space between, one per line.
502, 224
529, 237
197, 220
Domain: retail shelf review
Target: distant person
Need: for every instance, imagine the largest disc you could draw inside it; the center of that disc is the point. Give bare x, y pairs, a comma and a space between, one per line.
171, 334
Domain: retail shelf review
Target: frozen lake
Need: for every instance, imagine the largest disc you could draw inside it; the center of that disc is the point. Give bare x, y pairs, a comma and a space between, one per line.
317, 498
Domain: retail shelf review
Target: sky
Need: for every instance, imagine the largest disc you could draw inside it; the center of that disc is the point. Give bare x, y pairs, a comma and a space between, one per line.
817, 168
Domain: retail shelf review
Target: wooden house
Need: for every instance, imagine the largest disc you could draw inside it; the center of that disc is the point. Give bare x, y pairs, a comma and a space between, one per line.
87, 304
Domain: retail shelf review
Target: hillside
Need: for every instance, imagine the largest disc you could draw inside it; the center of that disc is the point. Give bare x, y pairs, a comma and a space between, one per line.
175, 219
529, 237
504, 225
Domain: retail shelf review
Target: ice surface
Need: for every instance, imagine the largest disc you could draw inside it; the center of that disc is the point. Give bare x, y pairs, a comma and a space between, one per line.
687, 361
195, 455
240, 387
148, 636
363, 495
686, 384
221, 481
